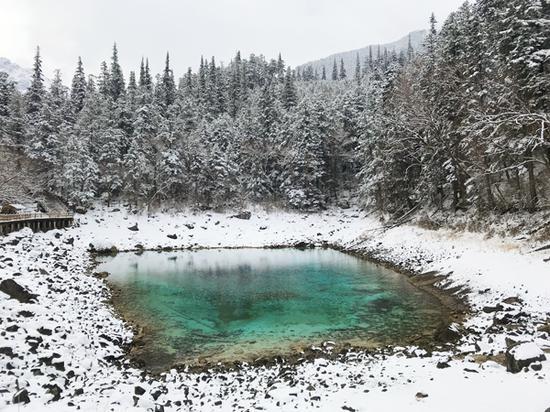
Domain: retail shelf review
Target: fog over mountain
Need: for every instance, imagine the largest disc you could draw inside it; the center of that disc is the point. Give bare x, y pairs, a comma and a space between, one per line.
349, 57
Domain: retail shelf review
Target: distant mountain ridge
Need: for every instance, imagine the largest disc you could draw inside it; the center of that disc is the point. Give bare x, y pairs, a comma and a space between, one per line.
21, 76
349, 57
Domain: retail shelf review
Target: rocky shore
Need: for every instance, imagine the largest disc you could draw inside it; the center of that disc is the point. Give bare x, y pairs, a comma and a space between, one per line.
62, 346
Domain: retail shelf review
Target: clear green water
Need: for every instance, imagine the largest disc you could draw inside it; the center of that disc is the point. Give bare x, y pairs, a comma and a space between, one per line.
240, 304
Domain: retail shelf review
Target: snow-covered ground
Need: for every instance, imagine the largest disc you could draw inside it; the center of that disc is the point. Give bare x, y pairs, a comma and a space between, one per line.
63, 350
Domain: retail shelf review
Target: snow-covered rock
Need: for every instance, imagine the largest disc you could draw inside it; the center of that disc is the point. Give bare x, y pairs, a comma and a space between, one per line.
523, 355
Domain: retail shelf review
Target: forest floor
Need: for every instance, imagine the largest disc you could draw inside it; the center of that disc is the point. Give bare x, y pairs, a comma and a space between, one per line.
64, 347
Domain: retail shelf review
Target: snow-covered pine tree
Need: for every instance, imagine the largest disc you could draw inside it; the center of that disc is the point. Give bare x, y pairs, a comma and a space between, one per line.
116, 83
167, 87
334, 71
35, 95
343, 74
357, 69
79, 172
7, 91
289, 96
104, 80
78, 88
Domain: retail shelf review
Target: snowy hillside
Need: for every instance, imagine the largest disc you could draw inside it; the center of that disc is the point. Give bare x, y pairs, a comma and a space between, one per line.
18, 74
349, 57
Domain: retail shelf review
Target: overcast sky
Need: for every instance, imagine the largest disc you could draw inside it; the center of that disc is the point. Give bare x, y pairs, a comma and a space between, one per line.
302, 30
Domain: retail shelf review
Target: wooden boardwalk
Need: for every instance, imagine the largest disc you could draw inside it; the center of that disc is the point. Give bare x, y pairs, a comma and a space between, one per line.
38, 222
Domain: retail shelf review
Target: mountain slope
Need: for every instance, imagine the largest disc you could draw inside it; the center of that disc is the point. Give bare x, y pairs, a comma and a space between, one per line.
349, 57
21, 76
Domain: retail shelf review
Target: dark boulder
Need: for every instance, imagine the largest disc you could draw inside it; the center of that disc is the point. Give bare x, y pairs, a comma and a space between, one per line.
101, 275
54, 390
244, 215
522, 355
343, 204
81, 210
134, 228
21, 396
174, 236
493, 309
12, 328
8, 351
44, 331
514, 300
34, 342
537, 367
15, 291
138, 390
445, 334
303, 245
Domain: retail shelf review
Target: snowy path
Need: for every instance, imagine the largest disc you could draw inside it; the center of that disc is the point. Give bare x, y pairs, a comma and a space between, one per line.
65, 345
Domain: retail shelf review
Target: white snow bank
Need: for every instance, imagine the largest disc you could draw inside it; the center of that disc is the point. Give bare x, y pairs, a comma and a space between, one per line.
72, 324
525, 351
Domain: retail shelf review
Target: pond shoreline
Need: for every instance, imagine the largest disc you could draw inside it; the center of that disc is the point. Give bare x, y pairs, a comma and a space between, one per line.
307, 352
66, 350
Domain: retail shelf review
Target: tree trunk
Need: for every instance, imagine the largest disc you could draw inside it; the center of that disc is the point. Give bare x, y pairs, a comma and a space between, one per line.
490, 197
455, 195
533, 199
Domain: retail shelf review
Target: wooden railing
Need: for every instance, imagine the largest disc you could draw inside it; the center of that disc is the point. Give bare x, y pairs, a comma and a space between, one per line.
20, 217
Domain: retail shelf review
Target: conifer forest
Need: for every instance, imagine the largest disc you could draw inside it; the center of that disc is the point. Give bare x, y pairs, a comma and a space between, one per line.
462, 122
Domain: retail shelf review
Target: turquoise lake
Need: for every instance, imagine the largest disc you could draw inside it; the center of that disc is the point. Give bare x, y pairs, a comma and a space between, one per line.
240, 304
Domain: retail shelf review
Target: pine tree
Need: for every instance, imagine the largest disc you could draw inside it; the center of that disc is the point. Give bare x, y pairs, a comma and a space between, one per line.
371, 59
148, 82
430, 44
90, 85
202, 80
7, 89
15, 125
334, 71
280, 68
188, 83
343, 74
132, 92
357, 69
323, 74
167, 86
79, 172
78, 88
142, 75
268, 116
104, 80
116, 81
305, 174
36, 92
410, 50
47, 133
289, 97
212, 88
